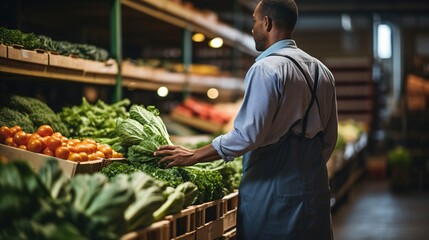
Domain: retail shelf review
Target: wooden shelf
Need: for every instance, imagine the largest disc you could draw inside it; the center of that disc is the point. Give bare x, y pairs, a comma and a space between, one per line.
52, 66
204, 22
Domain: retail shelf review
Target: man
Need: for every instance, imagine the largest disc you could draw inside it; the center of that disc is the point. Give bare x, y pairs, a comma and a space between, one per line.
286, 128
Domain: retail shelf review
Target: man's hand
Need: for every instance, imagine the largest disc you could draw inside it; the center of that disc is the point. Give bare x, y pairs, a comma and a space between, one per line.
176, 156
180, 156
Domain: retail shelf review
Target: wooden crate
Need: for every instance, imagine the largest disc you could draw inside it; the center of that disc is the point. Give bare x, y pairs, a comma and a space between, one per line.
210, 231
182, 224
230, 220
56, 60
16, 53
208, 212
108, 67
3, 51
230, 235
37, 160
157, 231
230, 202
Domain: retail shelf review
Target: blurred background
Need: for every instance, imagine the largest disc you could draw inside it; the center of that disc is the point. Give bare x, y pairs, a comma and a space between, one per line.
189, 59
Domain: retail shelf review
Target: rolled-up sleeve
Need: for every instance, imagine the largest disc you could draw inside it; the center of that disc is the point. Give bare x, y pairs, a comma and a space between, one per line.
255, 116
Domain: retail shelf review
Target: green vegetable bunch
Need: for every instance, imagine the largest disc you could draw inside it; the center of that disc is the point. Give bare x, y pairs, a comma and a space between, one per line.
94, 120
16, 37
399, 156
30, 113
52, 206
31, 41
142, 133
85, 51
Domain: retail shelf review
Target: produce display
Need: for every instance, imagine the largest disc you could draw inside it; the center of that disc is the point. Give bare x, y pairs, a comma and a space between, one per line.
85, 207
31, 41
48, 142
124, 196
139, 136
29, 113
96, 121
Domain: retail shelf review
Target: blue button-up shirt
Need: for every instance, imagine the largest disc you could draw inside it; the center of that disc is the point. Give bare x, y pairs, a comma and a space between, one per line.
276, 96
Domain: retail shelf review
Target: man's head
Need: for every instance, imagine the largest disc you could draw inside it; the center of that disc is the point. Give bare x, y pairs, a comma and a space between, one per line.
273, 20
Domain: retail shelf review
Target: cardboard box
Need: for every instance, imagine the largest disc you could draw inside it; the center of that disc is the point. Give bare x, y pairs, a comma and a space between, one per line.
3, 51
56, 60
37, 160
27, 55
157, 231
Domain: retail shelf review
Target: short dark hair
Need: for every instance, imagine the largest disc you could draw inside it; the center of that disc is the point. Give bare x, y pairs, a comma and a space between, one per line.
283, 12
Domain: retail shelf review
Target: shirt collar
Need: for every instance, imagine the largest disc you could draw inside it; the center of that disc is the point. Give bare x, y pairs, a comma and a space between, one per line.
287, 43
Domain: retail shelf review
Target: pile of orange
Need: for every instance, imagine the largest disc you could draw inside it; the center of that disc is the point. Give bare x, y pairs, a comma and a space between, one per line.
48, 142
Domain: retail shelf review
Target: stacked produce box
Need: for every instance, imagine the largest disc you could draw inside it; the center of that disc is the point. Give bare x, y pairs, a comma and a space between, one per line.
91, 167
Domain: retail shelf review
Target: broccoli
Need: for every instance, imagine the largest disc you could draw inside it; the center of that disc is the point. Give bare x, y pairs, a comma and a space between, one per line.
209, 183
40, 118
171, 176
116, 168
10, 118
29, 105
38, 112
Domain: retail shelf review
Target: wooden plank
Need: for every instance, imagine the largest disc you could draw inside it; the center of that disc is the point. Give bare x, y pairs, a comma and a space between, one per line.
3, 51
66, 62
156, 231
182, 223
27, 55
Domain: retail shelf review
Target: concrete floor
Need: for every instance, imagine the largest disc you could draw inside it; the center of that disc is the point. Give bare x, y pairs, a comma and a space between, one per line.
374, 212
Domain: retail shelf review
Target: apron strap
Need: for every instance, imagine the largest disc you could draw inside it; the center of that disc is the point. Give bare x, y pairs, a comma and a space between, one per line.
312, 91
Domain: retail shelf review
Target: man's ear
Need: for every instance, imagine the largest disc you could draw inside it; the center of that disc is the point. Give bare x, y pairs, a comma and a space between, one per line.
268, 23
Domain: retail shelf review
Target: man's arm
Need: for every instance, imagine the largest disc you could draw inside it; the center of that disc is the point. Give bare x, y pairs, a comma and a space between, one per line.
180, 156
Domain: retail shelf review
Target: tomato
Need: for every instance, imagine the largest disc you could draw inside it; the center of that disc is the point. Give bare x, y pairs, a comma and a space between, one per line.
15, 129
23, 147
88, 140
45, 130
92, 147
43, 140
75, 157
93, 156
117, 155
4, 133
84, 156
62, 152
9, 141
57, 134
20, 138
63, 139
53, 143
75, 140
35, 145
100, 154
33, 135
82, 147
49, 152
107, 150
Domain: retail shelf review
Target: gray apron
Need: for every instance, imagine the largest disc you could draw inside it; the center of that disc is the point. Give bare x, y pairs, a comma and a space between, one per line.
284, 192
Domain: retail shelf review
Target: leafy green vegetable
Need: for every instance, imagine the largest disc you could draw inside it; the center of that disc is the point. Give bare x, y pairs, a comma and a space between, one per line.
117, 168
399, 156
94, 120
190, 191
10, 118
174, 204
38, 112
